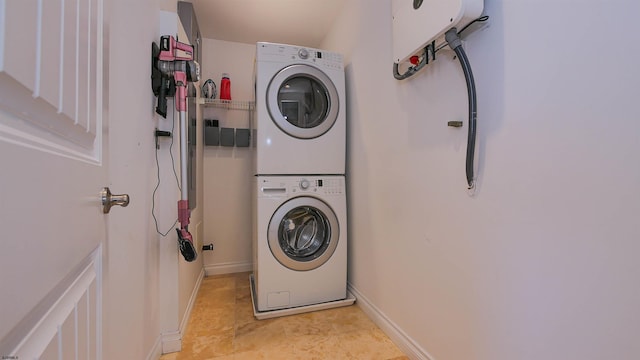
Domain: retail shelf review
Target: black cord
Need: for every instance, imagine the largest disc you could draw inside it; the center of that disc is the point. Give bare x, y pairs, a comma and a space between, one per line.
153, 197
480, 19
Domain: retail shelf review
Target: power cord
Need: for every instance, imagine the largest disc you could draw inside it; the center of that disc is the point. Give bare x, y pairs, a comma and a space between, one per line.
480, 19
173, 166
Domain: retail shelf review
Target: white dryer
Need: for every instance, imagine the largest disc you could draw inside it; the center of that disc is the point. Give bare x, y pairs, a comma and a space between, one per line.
300, 241
300, 119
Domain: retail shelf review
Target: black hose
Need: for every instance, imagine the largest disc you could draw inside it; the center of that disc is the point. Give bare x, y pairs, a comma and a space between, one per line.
456, 45
473, 113
453, 40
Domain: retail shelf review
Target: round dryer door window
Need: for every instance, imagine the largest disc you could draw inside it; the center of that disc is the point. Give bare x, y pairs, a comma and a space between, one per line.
303, 101
303, 233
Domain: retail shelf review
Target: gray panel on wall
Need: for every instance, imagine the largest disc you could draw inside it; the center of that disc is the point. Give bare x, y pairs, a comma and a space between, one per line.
190, 22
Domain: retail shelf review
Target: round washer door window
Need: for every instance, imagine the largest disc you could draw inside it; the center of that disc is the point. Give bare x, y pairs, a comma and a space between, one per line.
302, 101
303, 233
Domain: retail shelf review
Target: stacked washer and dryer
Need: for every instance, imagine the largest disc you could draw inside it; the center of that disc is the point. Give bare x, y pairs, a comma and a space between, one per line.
299, 194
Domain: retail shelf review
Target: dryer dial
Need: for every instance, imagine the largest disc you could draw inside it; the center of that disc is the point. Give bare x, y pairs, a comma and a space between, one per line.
304, 184
303, 53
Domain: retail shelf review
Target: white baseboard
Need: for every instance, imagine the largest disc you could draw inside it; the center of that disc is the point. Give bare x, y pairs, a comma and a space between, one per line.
187, 313
172, 341
399, 337
228, 268
156, 350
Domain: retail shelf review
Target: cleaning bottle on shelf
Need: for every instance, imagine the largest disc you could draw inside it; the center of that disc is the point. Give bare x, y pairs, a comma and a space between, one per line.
225, 87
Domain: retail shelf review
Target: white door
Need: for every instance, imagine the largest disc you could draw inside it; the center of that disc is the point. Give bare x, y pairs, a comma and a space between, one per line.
52, 161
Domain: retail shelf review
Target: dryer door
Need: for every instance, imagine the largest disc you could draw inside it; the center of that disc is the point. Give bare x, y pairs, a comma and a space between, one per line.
303, 233
303, 101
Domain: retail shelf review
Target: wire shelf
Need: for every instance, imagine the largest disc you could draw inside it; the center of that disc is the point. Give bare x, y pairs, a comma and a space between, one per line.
228, 104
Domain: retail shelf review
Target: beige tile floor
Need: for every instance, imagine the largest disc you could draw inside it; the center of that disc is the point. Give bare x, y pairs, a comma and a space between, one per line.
222, 327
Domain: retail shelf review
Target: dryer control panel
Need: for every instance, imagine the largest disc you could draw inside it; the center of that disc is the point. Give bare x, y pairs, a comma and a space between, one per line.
298, 54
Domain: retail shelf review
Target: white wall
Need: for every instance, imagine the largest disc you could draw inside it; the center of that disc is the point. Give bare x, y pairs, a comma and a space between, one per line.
146, 279
132, 253
227, 171
179, 279
191, 273
542, 262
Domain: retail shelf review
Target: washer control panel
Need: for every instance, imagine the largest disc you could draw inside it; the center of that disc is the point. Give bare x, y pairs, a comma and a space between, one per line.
325, 186
290, 186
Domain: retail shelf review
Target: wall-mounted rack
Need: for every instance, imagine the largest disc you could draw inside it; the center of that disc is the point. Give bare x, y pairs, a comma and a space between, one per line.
223, 136
228, 104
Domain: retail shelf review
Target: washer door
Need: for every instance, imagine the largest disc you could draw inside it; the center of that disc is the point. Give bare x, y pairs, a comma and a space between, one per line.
303, 101
303, 233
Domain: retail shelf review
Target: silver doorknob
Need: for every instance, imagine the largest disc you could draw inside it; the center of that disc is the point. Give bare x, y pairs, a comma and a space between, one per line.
109, 200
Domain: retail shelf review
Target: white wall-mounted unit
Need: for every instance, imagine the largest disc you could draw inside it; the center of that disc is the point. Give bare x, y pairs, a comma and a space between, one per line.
417, 23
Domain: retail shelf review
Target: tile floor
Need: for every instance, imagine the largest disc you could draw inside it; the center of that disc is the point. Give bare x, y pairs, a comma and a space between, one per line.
222, 327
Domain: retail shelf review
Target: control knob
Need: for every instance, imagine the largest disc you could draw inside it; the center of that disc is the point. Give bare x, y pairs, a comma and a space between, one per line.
303, 53
304, 184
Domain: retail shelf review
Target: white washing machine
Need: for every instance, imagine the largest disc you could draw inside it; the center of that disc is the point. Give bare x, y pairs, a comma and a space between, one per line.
300, 241
300, 119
